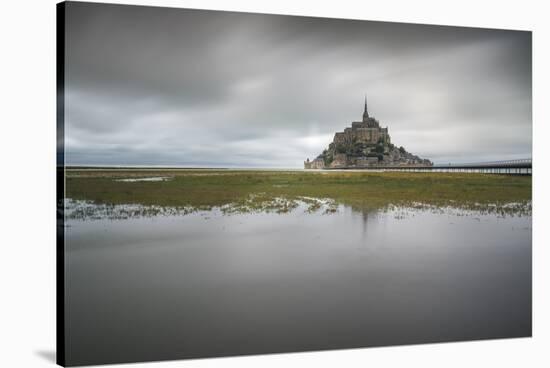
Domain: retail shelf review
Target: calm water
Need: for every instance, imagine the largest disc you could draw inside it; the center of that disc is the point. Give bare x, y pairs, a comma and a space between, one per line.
208, 284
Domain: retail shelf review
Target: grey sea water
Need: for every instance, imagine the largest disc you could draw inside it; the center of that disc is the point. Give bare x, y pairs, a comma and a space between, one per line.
165, 286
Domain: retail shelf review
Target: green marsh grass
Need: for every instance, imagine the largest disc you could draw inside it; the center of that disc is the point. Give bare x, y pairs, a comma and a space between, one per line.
279, 191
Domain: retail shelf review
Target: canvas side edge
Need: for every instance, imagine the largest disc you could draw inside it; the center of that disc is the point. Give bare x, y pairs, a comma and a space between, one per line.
60, 186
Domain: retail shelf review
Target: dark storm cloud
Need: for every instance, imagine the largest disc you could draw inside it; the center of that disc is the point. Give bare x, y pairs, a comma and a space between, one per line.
160, 86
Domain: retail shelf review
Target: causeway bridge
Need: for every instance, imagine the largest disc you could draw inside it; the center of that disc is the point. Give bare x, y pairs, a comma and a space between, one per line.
507, 167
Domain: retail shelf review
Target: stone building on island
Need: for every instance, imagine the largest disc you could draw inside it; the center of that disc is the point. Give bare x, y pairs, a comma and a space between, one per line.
364, 144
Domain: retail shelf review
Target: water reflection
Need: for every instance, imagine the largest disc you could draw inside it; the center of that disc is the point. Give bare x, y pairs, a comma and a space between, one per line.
161, 283
87, 210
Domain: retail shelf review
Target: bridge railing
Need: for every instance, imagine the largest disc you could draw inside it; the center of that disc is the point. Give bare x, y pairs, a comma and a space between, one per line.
504, 163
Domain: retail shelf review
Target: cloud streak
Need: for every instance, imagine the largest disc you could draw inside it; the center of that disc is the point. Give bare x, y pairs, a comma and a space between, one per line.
161, 86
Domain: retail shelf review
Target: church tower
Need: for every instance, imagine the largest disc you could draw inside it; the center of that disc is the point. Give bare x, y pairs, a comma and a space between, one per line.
366, 112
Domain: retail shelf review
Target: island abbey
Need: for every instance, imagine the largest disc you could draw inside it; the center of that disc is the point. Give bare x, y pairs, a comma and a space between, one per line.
368, 131
364, 144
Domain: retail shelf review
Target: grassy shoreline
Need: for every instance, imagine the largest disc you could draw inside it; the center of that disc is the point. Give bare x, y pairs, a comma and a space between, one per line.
257, 190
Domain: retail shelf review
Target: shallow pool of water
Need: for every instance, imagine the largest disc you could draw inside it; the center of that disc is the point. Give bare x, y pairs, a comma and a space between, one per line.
210, 284
150, 179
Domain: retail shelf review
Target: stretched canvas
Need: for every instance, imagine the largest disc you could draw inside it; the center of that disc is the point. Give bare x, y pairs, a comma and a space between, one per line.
236, 183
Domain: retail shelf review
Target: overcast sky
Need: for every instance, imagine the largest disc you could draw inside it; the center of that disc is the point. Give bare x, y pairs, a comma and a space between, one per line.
161, 86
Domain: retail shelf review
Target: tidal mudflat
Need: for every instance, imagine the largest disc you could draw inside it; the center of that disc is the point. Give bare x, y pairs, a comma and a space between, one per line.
217, 262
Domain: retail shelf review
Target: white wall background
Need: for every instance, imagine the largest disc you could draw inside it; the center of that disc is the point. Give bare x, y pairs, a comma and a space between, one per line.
27, 182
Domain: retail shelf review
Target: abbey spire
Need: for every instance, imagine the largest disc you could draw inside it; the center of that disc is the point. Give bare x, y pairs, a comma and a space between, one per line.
366, 112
